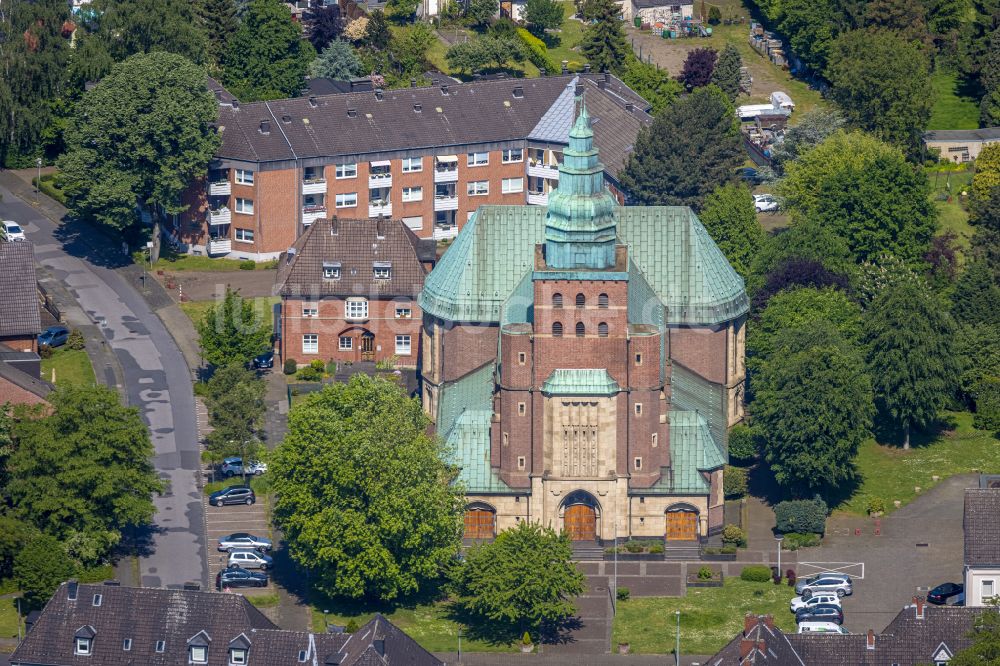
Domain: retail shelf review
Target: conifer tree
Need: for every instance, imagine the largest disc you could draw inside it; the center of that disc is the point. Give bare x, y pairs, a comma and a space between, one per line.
727, 72
218, 19
604, 40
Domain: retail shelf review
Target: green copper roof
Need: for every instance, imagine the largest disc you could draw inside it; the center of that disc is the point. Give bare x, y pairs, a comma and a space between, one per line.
692, 451
695, 394
580, 382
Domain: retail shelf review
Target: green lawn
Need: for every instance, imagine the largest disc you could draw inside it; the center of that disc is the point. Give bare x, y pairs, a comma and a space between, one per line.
72, 366
952, 216
428, 624
952, 110
570, 36
8, 617
892, 474
710, 617
191, 262
263, 307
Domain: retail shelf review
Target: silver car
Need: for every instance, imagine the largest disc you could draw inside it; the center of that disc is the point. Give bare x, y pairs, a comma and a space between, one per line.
243, 540
839, 584
249, 558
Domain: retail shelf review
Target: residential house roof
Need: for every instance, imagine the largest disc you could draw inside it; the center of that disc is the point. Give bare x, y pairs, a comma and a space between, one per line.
9, 373
19, 315
983, 134
424, 118
981, 524
351, 250
179, 618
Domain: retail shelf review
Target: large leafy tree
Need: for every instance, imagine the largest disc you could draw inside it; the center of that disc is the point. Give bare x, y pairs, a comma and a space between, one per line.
481, 12
882, 85
976, 38
338, 61
986, 180
128, 27
726, 74
219, 22
807, 240
976, 299
985, 647
325, 23
866, 192
236, 411
363, 493
810, 28
139, 137
267, 57
542, 15
604, 39
731, 219
690, 148
698, 68
908, 334
906, 18
232, 332
524, 581
83, 473
485, 52
40, 567
811, 130
655, 85
34, 54
813, 407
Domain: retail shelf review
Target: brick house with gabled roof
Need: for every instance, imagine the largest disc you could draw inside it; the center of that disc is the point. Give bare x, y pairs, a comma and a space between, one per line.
125, 626
981, 527
349, 292
20, 318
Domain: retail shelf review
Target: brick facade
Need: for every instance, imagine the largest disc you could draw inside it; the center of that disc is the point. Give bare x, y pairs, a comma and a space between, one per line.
21, 343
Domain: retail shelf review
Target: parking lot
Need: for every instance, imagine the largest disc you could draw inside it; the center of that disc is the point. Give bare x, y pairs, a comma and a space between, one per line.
223, 520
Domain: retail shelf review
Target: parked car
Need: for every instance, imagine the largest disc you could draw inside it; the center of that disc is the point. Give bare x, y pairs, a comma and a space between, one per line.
239, 577
765, 203
751, 175
799, 603
243, 540
248, 558
943, 592
234, 466
821, 613
821, 628
958, 599
263, 362
232, 495
53, 336
12, 231
840, 584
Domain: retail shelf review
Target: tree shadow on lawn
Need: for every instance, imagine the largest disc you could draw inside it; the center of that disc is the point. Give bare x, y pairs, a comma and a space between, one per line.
496, 633
761, 484
888, 434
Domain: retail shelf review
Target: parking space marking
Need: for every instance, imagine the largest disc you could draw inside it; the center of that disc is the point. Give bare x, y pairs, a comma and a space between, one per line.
855, 570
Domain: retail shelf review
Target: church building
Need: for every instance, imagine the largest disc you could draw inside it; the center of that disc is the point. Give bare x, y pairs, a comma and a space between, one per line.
584, 361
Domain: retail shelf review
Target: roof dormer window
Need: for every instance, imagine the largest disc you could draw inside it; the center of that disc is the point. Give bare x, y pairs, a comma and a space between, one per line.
382, 270
83, 640
198, 654
237, 656
83, 646
331, 270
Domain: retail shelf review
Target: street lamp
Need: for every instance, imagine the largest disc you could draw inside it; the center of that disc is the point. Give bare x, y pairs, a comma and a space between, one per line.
460, 645
779, 538
38, 181
677, 650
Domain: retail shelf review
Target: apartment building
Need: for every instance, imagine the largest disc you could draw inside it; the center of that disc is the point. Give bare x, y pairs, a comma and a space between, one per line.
429, 156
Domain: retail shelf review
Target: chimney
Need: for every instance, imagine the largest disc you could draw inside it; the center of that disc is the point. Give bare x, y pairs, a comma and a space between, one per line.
265, 127
629, 106
312, 102
413, 83
544, 71
918, 603
444, 89
352, 113
602, 84
290, 255
870, 643
434, 82
286, 119
379, 645
378, 94
236, 104
192, 586
112, 583
417, 108
565, 66
749, 622
586, 68
518, 91
334, 226
769, 621
607, 77
746, 647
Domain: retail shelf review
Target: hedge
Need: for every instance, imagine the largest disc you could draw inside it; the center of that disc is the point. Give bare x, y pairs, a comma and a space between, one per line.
741, 443
801, 516
756, 573
987, 416
734, 482
538, 54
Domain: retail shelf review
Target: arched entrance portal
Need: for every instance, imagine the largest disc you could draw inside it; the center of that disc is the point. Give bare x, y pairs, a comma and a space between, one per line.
682, 523
480, 521
580, 510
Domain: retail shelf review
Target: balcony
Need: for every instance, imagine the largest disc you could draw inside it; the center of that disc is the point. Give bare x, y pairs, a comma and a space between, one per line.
217, 246
219, 216
377, 180
379, 208
314, 186
538, 198
220, 188
444, 231
449, 175
312, 213
540, 170
445, 202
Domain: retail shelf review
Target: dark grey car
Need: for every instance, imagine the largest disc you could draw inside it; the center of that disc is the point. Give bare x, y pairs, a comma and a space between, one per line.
232, 495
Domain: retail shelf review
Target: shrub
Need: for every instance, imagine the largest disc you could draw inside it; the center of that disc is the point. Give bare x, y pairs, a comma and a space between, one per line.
45, 351
734, 482
790, 577
633, 546
733, 535
76, 340
331, 368
728, 550
656, 548
987, 416
741, 443
310, 374
317, 364
291, 365
714, 15
526, 639
756, 573
351, 626
875, 504
796, 540
538, 54
623, 594
248, 265
705, 573
801, 516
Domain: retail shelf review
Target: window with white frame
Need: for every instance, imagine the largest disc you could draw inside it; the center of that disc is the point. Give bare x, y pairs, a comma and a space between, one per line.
478, 159
199, 654
237, 656
244, 235
349, 200
161, 646
403, 345
347, 170
310, 310
356, 308
513, 155
310, 343
413, 194
512, 185
987, 589
244, 206
478, 188
413, 164
346, 343
82, 646
331, 270
403, 312
244, 177
382, 270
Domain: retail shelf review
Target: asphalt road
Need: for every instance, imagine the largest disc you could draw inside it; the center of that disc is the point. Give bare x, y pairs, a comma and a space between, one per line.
157, 380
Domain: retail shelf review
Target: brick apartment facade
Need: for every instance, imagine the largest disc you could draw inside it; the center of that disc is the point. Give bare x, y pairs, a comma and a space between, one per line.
429, 156
349, 292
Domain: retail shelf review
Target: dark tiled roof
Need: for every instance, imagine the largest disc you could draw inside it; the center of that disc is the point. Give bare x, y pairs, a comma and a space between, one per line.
19, 314
984, 134
470, 113
147, 615
355, 246
18, 377
981, 524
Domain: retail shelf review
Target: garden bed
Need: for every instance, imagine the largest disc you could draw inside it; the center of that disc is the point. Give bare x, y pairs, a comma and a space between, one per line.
717, 580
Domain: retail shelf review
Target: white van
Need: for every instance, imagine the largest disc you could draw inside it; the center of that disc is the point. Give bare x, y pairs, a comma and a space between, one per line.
248, 558
821, 628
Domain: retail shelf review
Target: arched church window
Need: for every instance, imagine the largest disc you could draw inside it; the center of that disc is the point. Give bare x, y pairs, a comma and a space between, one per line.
602, 300
557, 300
557, 330
602, 329
580, 329
581, 300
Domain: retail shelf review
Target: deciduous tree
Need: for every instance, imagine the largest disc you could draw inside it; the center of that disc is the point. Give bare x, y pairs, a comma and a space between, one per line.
338, 61
812, 128
985, 635
731, 220
139, 138
524, 581
976, 299
324, 23
485, 52
805, 239
236, 411
604, 39
232, 332
698, 68
811, 26
128, 27
655, 85
726, 74
542, 15
690, 148
40, 568
363, 493
910, 357
986, 180
813, 408
481, 12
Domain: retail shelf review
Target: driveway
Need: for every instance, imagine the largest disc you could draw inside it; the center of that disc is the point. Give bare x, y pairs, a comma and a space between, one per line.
157, 380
